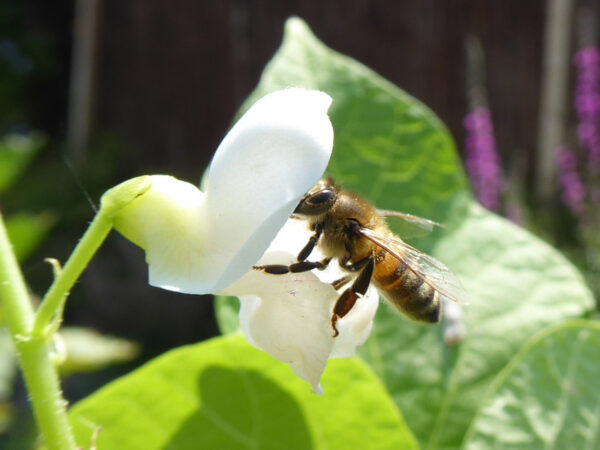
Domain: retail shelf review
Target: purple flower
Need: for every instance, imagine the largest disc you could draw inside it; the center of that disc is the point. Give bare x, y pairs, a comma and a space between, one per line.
587, 103
573, 189
482, 159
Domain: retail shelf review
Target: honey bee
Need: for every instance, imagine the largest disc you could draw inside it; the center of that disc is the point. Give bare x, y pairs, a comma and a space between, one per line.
354, 232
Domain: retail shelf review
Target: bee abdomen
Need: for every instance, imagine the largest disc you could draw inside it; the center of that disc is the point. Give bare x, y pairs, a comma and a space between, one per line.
410, 294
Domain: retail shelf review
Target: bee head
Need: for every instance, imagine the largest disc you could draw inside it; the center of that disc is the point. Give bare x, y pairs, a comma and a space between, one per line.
317, 201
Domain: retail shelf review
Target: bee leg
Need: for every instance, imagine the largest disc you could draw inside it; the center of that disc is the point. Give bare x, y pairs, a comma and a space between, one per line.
346, 301
340, 282
302, 266
353, 267
310, 245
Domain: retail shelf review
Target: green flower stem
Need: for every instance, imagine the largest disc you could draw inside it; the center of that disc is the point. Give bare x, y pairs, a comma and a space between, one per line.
32, 332
16, 306
43, 387
34, 355
53, 302
113, 201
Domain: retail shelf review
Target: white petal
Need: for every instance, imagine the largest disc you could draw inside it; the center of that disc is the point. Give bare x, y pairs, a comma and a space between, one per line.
289, 316
274, 154
168, 222
199, 243
292, 322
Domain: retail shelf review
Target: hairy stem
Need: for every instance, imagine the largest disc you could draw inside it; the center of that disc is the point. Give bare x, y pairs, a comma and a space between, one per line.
43, 386
34, 355
53, 302
32, 332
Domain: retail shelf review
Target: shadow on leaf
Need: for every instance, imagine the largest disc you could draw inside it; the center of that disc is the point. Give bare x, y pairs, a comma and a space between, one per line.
242, 409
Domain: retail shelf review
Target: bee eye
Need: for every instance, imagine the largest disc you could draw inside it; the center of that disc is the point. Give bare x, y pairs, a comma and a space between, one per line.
321, 197
317, 203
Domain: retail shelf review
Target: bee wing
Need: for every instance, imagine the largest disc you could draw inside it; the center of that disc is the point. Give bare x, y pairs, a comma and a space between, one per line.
410, 225
429, 269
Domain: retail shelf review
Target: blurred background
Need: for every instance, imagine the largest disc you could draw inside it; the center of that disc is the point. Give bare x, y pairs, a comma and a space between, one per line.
97, 91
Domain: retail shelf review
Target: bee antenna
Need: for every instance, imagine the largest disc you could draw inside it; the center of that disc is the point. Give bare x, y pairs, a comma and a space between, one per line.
78, 181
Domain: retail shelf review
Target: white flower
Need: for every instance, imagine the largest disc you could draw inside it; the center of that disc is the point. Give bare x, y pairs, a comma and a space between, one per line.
200, 242
205, 242
289, 316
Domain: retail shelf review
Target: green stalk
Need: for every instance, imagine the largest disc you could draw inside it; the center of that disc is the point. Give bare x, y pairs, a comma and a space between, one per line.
113, 201
16, 306
53, 302
43, 387
32, 332
39, 373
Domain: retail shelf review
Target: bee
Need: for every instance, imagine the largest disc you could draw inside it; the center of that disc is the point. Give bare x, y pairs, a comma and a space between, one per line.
352, 231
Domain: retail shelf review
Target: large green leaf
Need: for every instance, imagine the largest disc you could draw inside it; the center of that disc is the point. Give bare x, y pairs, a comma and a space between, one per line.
547, 397
517, 285
224, 394
394, 151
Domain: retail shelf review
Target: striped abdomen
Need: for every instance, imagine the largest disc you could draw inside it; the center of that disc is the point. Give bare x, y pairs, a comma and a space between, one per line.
405, 290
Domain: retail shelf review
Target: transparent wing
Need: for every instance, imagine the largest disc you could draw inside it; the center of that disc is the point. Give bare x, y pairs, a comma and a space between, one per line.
409, 225
429, 269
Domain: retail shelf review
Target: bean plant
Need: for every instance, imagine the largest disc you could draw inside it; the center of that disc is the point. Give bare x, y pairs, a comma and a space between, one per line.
521, 374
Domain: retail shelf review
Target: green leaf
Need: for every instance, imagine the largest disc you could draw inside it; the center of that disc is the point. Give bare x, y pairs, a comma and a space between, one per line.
517, 286
27, 231
395, 152
547, 397
224, 394
16, 152
388, 146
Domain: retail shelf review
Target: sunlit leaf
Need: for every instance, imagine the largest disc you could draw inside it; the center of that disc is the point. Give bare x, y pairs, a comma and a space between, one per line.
547, 397
224, 394
517, 286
